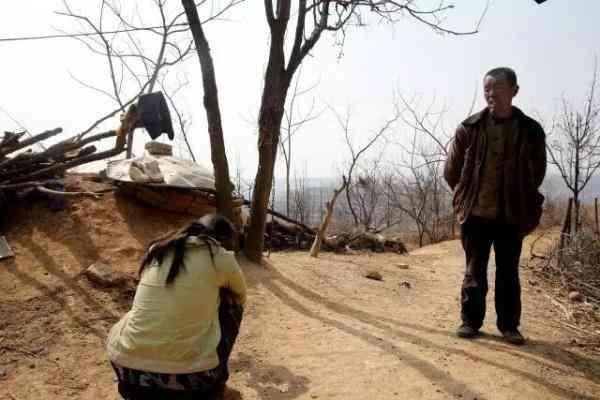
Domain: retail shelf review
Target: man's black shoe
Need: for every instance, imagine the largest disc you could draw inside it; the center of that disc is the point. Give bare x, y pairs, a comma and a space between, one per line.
466, 332
513, 336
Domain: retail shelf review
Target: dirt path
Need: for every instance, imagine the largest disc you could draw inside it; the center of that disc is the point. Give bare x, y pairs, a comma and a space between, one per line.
313, 329
321, 330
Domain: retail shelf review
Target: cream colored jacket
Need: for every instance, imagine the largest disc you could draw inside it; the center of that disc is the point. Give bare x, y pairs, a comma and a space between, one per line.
175, 329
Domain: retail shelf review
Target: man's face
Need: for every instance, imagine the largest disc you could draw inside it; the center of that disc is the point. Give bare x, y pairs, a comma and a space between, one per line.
498, 94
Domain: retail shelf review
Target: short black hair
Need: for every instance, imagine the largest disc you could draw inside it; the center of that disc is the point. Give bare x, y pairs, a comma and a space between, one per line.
503, 73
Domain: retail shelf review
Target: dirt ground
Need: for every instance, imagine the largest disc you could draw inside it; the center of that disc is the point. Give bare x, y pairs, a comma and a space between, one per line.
313, 328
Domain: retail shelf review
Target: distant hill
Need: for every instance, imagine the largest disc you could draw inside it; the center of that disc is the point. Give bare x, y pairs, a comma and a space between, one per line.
319, 190
554, 187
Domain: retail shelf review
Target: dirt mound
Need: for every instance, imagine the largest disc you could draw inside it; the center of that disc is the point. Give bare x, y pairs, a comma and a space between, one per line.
50, 312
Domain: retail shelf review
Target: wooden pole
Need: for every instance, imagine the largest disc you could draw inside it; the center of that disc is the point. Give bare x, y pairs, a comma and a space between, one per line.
320, 236
596, 217
565, 232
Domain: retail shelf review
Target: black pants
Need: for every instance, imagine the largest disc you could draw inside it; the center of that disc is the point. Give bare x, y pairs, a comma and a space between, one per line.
478, 235
207, 385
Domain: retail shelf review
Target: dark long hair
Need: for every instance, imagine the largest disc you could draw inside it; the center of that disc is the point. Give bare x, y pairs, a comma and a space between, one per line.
212, 229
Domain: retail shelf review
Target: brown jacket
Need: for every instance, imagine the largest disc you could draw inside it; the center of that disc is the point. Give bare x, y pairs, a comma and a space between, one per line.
524, 169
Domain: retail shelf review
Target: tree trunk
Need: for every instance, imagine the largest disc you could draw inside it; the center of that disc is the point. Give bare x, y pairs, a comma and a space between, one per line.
576, 189
316, 246
223, 185
565, 231
260, 199
348, 200
270, 115
576, 222
287, 184
270, 123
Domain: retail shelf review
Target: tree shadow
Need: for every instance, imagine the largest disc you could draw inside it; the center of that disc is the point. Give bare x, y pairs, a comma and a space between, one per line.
551, 352
82, 247
534, 350
270, 381
54, 296
430, 371
423, 366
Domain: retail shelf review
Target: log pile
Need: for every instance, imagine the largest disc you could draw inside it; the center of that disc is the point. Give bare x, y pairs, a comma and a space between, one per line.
362, 240
286, 234
283, 233
23, 170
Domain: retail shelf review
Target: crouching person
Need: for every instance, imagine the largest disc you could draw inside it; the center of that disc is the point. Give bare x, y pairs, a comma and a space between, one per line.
175, 341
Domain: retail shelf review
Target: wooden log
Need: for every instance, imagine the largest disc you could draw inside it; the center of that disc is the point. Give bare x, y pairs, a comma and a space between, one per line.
94, 138
24, 185
278, 215
58, 193
83, 152
63, 166
21, 158
56, 152
10, 138
28, 142
64, 162
27, 162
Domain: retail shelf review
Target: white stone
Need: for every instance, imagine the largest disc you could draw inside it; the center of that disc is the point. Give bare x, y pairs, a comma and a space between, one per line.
102, 274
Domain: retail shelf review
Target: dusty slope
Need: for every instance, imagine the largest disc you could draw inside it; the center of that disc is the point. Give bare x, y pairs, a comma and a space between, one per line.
313, 328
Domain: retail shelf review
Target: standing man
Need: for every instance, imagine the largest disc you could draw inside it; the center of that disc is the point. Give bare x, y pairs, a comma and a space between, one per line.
496, 163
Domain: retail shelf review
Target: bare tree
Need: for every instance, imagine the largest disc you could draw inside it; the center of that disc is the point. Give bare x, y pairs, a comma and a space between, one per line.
367, 194
223, 185
575, 148
294, 121
413, 186
138, 48
302, 199
355, 155
417, 187
329, 207
128, 60
131, 68
419, 191
241, 185
313, 17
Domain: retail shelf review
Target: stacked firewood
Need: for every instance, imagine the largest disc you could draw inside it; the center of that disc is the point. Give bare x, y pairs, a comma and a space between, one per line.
283, 233
363, 240
23, 170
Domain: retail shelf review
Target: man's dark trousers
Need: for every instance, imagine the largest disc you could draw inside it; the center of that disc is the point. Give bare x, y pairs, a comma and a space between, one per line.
478, 235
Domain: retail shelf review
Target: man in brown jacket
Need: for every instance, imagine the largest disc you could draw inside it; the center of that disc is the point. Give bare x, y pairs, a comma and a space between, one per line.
496, 163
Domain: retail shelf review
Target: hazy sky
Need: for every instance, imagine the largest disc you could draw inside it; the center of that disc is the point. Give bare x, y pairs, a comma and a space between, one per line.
551, 46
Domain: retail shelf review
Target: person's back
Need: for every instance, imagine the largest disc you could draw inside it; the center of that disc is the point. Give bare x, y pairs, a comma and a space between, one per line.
174, 326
